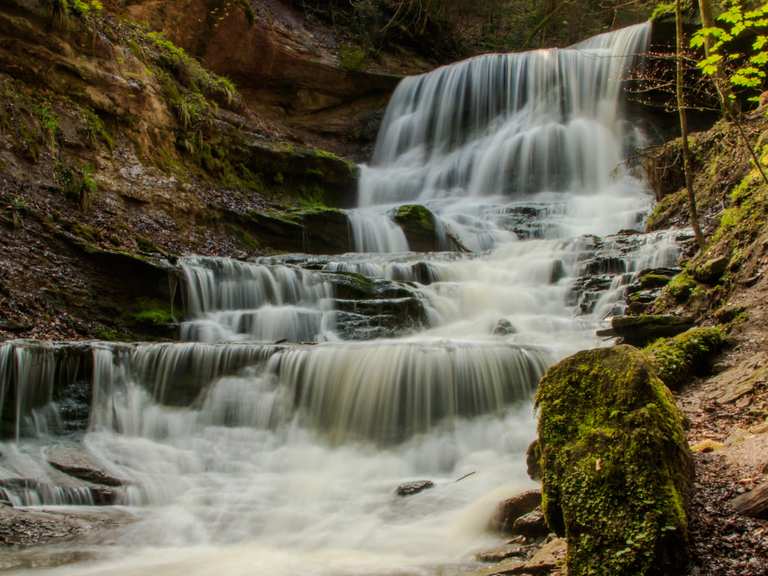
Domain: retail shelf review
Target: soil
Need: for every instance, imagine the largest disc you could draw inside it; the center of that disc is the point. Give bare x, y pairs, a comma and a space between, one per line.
730, 410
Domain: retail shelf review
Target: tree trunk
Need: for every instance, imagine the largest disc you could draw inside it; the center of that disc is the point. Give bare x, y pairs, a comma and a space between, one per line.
728, 103
694, 215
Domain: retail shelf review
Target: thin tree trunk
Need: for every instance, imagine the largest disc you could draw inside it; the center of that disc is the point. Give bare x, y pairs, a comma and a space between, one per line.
728, 103
694, 215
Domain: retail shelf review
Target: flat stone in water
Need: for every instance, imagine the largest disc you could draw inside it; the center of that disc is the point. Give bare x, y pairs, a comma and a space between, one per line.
413, 488
76, 463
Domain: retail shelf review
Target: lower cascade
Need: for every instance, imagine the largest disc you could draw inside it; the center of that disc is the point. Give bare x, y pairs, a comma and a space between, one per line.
305, 389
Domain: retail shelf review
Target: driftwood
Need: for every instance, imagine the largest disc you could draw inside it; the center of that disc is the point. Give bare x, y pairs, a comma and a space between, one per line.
753, 503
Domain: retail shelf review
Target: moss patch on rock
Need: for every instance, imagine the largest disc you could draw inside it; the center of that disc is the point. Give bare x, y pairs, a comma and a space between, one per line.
686, 355
419, 226
616, 469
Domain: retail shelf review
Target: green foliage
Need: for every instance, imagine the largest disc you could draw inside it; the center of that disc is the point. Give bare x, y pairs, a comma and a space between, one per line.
76, 183
746, 69
49, 124
663, 10
96, 131
688, 354
83, 7
61, 10
616, 471
89, 184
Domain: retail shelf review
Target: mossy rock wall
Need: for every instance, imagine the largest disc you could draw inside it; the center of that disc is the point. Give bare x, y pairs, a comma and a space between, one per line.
616, 469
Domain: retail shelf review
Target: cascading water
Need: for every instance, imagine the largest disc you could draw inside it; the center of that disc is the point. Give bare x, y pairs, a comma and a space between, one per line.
466, 137
271, 441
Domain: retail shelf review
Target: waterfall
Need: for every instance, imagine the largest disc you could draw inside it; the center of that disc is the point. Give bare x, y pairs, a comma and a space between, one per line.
231, 300
303, 390
505, 125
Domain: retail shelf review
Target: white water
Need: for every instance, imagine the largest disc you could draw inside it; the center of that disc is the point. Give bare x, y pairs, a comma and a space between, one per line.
246, 456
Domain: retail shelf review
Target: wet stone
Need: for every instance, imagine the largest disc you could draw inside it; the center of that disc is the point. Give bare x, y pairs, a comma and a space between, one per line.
77, 464
531, 525
413, 488
511, 509
504, 328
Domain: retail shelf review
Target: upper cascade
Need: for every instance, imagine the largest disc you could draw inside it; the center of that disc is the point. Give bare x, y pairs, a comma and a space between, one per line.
507, 124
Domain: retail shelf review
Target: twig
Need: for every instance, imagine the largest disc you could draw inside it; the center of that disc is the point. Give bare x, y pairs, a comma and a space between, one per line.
465, 477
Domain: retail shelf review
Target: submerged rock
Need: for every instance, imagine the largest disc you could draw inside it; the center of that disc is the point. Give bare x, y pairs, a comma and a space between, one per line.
413, 488
504, 328
616, 469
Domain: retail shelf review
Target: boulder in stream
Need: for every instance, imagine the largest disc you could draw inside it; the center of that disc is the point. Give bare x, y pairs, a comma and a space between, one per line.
413, 488
419, 226
616, 469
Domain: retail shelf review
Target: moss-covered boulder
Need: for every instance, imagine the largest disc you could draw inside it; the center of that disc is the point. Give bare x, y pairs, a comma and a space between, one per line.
686, 355
712, 270
616, 470
419, 226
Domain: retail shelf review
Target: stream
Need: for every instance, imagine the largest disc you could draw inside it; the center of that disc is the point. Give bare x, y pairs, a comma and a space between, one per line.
304, 389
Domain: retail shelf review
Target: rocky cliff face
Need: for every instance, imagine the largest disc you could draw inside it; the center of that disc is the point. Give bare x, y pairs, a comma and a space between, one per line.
293, 75
114, 141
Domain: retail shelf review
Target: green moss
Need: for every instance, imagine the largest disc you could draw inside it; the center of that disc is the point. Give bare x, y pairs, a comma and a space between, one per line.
616, 470
62, 10
416, 214
688, 354
148, 246
352, 57
152, 313
245, 238
653, 280
109, 334
681, 286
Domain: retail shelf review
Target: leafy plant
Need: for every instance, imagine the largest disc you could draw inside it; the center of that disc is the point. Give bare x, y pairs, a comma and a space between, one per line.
49, 124
745, 69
